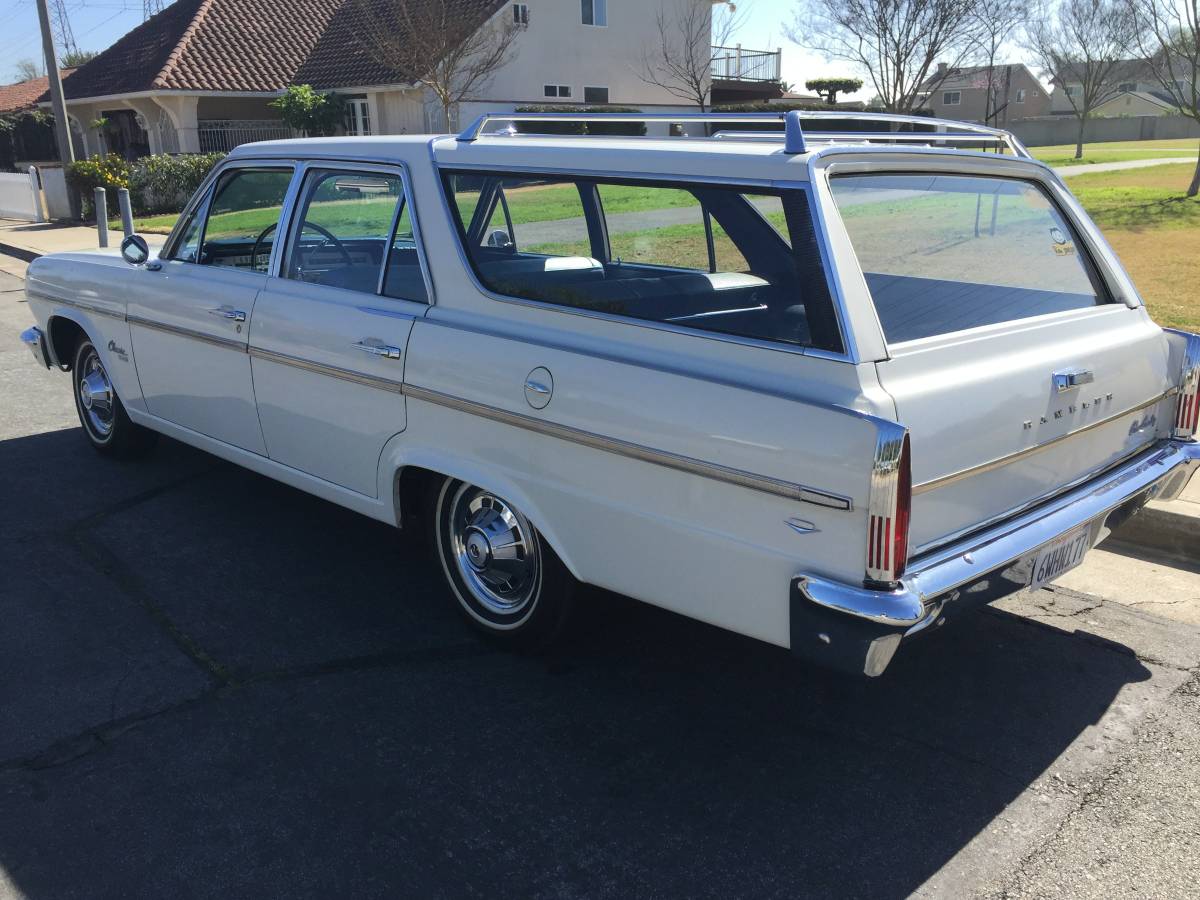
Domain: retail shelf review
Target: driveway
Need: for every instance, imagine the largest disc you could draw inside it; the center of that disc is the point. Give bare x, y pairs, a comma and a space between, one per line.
212, 685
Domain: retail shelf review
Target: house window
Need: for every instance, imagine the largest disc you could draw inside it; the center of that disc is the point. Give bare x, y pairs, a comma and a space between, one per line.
595, 12
1127, 86
1071, 90
358, 116
556, 90
951, 98
1020, 95
595, 95
520, 13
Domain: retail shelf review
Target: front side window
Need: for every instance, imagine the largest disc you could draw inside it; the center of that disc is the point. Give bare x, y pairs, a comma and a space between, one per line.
712, 258
240, 222
343, 236
944, 253
595, 12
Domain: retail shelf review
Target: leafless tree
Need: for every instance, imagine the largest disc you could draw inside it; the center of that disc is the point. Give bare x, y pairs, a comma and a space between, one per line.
1167, 33
440, 44
898, 42
1080, 45
686, 43
28, 69
997, 21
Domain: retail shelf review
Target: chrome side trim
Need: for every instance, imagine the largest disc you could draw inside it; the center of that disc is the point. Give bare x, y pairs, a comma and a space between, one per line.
81, 305
227, 343
1030, 451
384, 384
664, 458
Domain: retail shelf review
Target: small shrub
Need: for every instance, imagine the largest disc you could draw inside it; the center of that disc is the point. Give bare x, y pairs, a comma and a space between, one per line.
552, 127
109, 172
163, 183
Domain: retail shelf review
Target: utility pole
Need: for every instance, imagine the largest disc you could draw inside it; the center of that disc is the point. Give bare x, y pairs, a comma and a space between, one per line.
62, 129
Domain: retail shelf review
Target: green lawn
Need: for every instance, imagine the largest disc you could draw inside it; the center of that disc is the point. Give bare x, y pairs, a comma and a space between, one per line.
1115, 151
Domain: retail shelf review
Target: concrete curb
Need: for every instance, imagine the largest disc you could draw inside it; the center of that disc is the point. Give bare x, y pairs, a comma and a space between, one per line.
1166, 529
19, 253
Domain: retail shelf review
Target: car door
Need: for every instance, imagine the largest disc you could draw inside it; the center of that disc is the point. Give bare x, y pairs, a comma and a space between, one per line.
189, 313
328, 335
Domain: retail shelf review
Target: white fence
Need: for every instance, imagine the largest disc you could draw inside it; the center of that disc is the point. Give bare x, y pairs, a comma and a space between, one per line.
225, 134
54, 192
20, 198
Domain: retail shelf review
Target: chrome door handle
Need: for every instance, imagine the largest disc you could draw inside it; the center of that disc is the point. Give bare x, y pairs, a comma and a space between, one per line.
1065, 381
228, 312
377, 348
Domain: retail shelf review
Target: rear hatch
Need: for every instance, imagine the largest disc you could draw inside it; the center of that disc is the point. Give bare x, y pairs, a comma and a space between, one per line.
1015, 371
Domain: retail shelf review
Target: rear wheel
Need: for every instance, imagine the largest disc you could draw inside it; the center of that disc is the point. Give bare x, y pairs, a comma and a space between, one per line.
105, 423
507, 580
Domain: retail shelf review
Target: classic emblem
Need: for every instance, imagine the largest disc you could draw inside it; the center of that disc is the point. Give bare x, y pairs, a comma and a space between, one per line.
119, 351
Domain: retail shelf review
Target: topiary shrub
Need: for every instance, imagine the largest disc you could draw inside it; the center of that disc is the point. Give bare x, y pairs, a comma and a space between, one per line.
163, 183
109, 172
631, 129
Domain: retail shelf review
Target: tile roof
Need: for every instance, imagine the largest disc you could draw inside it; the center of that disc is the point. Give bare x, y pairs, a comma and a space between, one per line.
209, 45
341, 57
25, 94
247, 45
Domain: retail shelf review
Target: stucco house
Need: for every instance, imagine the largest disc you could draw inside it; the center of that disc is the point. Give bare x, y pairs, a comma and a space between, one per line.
201, 74
1135, 92
26, 139
962, 93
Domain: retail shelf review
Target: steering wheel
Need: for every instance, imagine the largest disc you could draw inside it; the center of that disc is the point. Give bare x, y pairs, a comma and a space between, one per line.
330, 238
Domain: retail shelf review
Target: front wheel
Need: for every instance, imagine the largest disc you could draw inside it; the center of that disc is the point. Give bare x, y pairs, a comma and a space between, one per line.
507, 580
105, 423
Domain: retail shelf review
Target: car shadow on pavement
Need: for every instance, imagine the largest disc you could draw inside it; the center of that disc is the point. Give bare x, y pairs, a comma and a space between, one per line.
214, 685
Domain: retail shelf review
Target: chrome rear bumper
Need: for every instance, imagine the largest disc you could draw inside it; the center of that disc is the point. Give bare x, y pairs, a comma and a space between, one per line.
858, 629
35, 339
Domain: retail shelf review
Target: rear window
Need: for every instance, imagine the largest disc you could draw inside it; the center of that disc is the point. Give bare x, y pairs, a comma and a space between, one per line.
944, 253
713, 258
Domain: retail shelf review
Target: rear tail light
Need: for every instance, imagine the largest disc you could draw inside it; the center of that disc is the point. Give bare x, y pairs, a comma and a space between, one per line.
1187, 413
889, 507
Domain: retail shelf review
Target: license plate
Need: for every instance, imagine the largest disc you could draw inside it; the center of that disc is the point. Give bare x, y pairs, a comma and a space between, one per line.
1061, 555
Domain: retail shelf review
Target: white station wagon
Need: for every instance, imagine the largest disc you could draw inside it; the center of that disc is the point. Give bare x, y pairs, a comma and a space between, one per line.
825, 389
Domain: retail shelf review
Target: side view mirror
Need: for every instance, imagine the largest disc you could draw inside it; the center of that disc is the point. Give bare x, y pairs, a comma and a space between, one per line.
499, 239
135, 250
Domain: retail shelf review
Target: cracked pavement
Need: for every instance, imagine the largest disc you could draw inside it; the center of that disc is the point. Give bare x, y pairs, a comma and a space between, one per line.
213, 685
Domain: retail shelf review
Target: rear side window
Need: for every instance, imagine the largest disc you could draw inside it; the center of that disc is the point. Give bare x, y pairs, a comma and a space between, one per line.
944, 253
713, 258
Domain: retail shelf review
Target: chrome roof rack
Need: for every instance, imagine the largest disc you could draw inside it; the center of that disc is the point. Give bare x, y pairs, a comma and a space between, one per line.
796, 136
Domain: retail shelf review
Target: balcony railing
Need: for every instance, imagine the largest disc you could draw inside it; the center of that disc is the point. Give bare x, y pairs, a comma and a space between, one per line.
225, 134
737, 64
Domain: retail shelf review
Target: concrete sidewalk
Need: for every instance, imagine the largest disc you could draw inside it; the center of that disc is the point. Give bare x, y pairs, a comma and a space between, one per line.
29, 240
1093, 168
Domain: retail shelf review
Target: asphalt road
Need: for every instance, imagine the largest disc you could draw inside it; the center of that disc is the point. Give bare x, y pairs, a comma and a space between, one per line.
212, 685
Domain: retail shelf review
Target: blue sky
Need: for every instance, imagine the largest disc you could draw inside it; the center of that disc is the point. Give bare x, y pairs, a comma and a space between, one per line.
98, 23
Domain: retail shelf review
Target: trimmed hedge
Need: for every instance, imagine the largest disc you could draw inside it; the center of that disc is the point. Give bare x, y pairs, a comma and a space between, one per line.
628, 129
163, 183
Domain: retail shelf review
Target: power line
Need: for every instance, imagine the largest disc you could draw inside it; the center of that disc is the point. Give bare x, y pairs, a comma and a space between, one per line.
151, 7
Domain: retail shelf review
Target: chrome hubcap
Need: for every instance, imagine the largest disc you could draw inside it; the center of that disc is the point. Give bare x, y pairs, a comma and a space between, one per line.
495, 550
96, 396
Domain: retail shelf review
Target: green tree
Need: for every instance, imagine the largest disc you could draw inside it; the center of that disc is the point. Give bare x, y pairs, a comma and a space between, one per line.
315, 113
